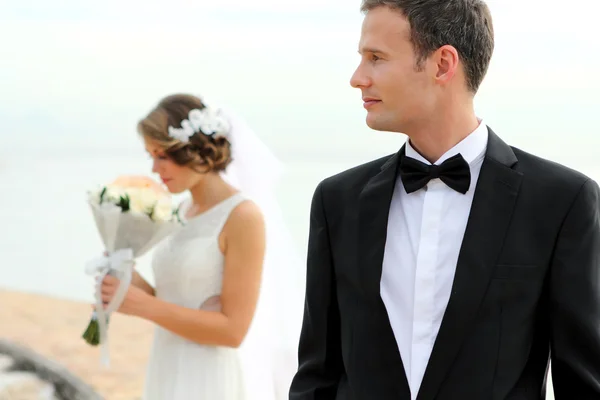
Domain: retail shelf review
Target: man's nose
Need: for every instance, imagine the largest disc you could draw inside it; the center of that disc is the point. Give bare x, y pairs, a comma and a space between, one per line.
359, 78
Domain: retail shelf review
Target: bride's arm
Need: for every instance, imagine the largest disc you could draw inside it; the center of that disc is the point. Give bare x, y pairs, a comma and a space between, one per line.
244, 235
139, 281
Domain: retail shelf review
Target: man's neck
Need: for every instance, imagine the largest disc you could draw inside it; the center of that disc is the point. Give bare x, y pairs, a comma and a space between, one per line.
434, 138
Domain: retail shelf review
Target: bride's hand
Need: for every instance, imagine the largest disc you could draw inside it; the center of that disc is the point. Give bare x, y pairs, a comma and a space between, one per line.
135, 299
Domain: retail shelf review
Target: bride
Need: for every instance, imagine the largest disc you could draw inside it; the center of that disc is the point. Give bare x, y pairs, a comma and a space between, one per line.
227, 301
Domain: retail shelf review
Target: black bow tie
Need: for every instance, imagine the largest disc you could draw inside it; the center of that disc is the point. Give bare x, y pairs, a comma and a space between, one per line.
454, 172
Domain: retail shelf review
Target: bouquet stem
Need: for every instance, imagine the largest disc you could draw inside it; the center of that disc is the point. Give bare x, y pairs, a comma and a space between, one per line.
92, 332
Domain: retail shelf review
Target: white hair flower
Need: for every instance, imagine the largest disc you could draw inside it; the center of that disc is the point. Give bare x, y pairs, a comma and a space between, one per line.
206, 121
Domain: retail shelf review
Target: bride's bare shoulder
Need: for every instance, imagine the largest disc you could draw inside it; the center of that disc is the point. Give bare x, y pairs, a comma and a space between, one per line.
244, 239
246, 218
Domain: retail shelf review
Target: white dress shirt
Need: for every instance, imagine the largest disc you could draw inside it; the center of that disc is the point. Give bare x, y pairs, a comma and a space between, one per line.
424, 235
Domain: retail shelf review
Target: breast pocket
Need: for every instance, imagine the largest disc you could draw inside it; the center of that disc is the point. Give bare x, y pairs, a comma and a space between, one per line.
518, 272
516, 288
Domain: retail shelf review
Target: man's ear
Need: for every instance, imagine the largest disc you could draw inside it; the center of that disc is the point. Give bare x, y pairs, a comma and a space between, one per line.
447, 64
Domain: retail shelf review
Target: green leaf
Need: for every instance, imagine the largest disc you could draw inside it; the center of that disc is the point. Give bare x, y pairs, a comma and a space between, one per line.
176, 215
102, 193
151, 212
124, 202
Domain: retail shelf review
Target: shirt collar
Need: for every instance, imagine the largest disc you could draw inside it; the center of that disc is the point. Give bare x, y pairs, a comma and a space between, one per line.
471, 148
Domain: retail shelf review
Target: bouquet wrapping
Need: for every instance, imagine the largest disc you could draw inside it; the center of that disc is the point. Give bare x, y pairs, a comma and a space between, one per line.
132, 215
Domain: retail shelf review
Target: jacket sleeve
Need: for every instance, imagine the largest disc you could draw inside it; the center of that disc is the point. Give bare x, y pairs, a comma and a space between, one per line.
319, 354
575, 300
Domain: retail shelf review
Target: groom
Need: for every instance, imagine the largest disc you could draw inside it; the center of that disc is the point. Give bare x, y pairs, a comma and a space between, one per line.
452, 281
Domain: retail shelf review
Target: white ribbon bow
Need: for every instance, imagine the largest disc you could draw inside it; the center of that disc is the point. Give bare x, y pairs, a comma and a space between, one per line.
119, 264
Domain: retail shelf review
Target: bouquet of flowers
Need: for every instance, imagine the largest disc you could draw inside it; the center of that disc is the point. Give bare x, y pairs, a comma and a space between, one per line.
132, 215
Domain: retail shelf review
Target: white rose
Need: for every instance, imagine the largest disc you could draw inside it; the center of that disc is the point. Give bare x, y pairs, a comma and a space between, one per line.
163, 211
141, 200
112, 195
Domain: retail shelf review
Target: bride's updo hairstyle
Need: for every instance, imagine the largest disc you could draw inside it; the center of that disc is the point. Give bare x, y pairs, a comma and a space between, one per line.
190, 133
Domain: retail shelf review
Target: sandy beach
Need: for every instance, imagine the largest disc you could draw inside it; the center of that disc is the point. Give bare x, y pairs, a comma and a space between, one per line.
53, 327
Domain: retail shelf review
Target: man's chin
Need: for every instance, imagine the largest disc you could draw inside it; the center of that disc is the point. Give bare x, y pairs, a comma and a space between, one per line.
374, 122
377, 123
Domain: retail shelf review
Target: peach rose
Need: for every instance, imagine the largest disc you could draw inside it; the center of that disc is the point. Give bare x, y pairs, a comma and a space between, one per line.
140, 181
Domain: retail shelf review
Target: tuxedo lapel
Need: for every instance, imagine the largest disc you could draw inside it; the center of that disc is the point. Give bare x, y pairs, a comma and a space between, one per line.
488, 222
374, 205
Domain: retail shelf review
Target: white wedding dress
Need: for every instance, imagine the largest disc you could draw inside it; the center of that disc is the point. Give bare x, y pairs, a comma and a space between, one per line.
188, 269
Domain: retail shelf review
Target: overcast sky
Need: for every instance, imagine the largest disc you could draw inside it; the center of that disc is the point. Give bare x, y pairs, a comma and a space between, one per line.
71, 65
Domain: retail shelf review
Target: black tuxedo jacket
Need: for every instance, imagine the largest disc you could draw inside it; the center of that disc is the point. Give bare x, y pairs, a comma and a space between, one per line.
526, 289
